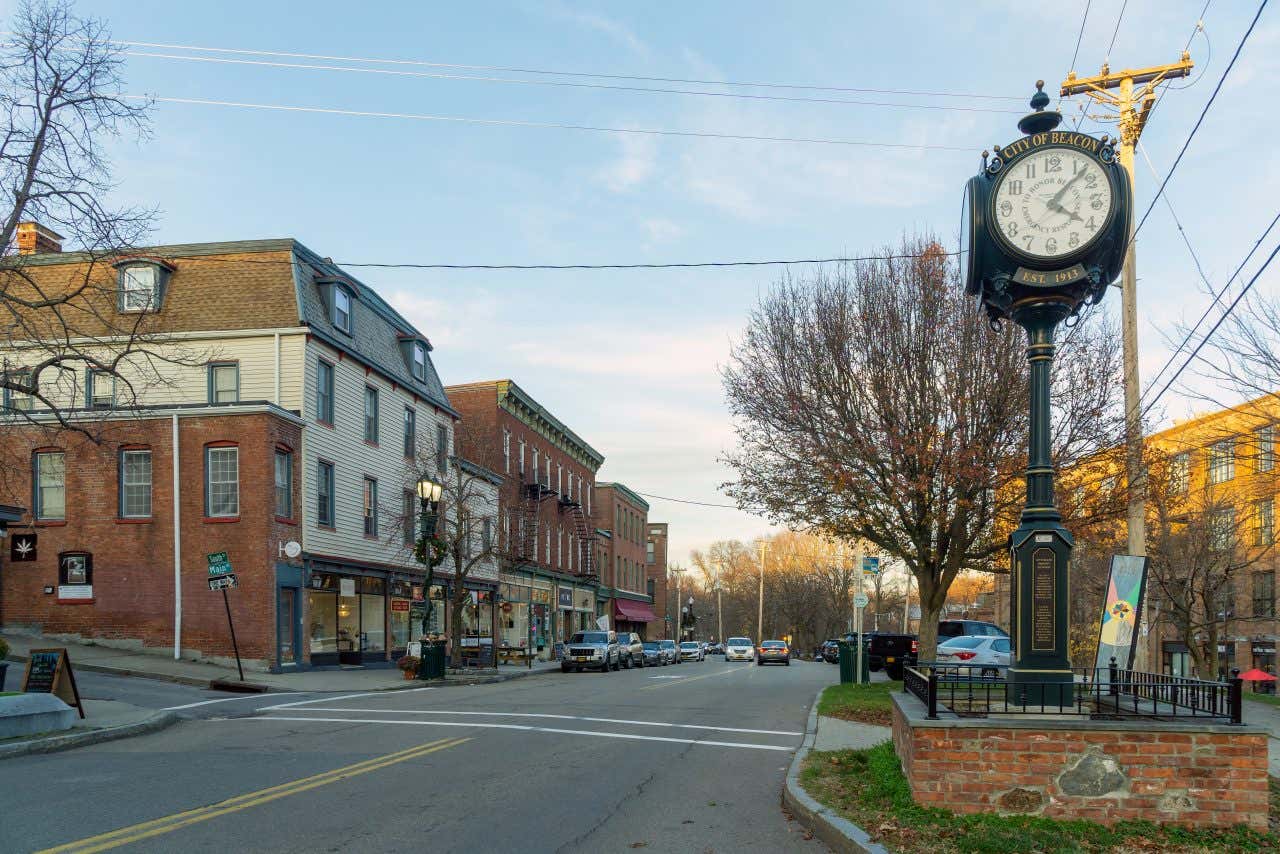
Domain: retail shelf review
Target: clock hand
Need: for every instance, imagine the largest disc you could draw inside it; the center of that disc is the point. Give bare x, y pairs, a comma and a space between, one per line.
1067, 186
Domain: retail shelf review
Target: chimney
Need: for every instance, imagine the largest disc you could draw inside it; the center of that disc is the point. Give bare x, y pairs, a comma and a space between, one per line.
35, 239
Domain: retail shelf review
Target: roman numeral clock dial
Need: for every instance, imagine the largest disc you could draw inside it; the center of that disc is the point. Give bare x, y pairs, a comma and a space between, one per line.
1053, 203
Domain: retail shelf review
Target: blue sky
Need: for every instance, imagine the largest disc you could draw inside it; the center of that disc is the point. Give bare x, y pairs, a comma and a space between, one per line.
630, 359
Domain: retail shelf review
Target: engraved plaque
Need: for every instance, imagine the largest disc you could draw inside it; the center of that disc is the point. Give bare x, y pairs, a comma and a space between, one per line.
1043, 604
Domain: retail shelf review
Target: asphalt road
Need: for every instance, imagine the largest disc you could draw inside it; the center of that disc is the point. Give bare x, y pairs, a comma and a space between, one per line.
682, 759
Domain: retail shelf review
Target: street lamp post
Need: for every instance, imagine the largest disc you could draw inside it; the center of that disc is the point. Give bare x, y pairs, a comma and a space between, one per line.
425, 548
679, 622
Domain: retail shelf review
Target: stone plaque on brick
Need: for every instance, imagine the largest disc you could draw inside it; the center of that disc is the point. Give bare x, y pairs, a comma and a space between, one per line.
1043, 569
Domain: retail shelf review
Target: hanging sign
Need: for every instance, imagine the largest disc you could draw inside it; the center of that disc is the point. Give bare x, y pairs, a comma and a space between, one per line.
49, 672
1121, 611
22, 547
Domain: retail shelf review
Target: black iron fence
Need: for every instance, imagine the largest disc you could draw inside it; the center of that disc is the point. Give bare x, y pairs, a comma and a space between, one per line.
981, 690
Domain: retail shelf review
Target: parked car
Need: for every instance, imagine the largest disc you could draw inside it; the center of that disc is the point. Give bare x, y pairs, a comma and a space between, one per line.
672, 651
893, 653
654, 654
977, 650
968, 628
739, 649
630, 650
691, 651
715, 649
830, 651
773, 651
592, 650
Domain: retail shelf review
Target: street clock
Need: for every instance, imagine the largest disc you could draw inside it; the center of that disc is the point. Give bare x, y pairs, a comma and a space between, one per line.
1050, 213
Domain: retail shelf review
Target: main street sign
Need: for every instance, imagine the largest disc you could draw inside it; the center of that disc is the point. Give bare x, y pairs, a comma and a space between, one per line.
219, 564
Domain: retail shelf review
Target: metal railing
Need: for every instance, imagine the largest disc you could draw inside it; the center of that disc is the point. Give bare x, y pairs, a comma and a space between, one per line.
982, 690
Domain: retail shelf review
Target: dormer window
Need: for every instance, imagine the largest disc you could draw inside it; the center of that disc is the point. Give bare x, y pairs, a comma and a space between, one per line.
342, 309
419, 360
140, 285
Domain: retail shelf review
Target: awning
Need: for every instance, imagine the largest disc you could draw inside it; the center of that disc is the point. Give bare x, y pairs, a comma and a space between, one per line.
635, 612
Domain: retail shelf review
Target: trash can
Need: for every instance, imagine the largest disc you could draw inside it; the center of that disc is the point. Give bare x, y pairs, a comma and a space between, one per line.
845, 653
432, 664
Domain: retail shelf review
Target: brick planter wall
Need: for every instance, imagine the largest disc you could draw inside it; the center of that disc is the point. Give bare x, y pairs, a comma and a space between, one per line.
1200, 775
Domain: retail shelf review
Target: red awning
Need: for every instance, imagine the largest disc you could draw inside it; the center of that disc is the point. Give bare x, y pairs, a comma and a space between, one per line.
635, 612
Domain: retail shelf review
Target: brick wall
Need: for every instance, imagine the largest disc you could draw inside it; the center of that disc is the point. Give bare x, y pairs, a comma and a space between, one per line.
1209, 776
133, 586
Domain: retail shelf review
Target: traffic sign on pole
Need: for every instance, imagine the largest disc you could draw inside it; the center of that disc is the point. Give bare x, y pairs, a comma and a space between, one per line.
219, 564
871, 564
222, 582
859, 601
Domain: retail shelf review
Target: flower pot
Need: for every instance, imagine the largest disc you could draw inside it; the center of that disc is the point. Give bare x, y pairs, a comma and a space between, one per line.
410, 674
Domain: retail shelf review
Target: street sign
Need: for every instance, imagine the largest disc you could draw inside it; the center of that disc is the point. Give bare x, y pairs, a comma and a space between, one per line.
222, 582
219, 564
871, 564
859, 601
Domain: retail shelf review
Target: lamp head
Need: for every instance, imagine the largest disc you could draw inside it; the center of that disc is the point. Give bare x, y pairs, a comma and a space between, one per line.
429, 490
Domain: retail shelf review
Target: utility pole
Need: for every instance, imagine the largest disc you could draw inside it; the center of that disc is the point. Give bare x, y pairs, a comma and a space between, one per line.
764, 547
719, 606
1132, 104
679, 613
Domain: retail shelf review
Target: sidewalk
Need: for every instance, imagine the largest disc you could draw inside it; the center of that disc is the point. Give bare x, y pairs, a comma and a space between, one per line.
120, 662
824, 733
105, 720
1266, 716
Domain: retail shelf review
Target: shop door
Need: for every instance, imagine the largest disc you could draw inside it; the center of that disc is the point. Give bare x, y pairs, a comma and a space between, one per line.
287, 641
349, 647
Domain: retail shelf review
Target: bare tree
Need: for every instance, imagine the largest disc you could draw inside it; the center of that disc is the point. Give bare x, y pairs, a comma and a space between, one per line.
876, 404
61, 101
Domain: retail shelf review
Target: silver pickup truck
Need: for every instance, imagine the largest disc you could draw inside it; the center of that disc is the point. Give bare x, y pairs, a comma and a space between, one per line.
597, 649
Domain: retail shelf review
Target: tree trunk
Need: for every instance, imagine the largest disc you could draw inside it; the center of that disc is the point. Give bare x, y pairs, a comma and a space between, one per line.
932, 598
455, 624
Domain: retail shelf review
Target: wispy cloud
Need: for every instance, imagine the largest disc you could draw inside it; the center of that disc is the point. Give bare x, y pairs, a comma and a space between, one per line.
633, 166
609, 27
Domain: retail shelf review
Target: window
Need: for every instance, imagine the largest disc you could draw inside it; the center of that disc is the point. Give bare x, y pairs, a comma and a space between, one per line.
486, 535
571, 551
559, 479
370, 507
17, 400
342, 308
522, 458
648, 552
1264, 594
559, 547
1265, 519
1222, 461
442, 447
50, 478
75, 568
506, 451
1222, 525
548, 459
100, 389
1266, 448
140, 287
324, 392
135, 484
222, 482
409, 517
410, 432
224, 382
371, 415
535, 465
284, 483
324, 495
1179, 473
589, 490
419, 361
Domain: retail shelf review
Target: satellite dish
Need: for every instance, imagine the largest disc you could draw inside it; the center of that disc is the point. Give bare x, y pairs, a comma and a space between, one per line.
292, 548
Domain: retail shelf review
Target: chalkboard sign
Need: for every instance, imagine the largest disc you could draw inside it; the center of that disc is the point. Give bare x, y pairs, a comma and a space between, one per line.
49, 672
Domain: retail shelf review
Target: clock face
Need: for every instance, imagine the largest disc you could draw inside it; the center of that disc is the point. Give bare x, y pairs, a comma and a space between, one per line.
1052, 203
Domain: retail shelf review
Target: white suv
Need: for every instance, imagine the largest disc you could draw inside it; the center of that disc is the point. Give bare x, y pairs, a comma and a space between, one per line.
739, 649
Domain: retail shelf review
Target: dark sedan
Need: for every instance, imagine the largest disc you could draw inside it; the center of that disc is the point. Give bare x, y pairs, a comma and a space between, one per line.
773, 651
655, 655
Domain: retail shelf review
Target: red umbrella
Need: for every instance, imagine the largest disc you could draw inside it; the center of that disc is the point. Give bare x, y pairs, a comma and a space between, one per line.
1256, 675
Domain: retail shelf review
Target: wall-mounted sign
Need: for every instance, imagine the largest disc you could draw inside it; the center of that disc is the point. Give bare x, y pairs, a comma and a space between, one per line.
565, 596
346, 587
22, 547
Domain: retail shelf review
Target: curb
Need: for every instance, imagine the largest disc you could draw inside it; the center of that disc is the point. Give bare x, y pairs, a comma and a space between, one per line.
51, 744
462, 682
193, 681
838, 833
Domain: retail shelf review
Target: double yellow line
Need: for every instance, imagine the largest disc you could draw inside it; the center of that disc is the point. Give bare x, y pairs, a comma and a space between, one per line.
169, 823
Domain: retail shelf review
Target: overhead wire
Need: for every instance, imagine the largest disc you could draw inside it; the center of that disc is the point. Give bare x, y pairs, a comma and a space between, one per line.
1116, 31
579, 74
564, 83
290, 108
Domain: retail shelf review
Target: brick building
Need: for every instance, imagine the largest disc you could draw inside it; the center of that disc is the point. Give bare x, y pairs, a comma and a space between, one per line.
623, 590
552, 554
655, 571
297, 403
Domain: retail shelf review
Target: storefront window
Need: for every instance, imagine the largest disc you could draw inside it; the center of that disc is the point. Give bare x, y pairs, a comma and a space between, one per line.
323, 619
373, 616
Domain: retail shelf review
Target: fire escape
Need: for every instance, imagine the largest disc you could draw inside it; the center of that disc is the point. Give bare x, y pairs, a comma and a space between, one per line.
585, 536
524, 546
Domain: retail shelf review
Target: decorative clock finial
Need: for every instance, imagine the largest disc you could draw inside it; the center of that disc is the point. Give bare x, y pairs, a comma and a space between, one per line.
1040, 121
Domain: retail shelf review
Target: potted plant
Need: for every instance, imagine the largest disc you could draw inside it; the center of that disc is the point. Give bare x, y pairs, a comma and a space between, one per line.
408, 664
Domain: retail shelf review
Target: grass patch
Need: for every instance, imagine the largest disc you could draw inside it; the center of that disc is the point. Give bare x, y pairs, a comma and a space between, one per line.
868, 704
9, 693
1270, 699
868, 788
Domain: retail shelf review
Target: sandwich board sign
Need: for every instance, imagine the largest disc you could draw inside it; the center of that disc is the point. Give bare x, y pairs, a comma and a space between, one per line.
49, 672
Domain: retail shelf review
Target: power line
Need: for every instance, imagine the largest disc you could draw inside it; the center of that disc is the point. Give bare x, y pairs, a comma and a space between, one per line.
563, 83
689, 501
1195, 352
553, 73
1116, 31
551, 125
1079, 38
1199, 121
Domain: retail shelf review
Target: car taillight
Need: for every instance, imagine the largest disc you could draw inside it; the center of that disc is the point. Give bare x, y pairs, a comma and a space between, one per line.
964, 656
915, 646
786, 651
